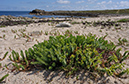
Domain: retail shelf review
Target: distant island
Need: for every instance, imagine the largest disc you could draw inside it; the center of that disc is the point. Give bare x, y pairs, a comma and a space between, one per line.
92, 13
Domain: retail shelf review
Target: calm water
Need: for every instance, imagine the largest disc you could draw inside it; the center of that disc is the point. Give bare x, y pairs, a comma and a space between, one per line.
26, 14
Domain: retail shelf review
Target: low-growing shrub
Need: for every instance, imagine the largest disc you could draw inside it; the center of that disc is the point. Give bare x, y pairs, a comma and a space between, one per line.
71, 54
75, 22
123, 20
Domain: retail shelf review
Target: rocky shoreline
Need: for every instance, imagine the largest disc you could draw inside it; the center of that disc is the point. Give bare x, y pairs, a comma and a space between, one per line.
65, 13
11, 20
94, 13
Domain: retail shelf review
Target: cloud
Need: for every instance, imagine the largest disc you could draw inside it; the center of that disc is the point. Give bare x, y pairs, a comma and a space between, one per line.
78, 2
110, 2
106, 5
112, 5
91, 1
47, 6
101, 3
63, 1
124, 4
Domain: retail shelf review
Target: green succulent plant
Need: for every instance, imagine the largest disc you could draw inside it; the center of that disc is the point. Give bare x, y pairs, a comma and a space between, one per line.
4, 56
123, 20
71, 54
122, 41
3, 78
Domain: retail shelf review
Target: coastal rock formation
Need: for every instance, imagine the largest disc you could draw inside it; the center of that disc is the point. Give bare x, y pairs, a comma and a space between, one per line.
39, 12
65, 13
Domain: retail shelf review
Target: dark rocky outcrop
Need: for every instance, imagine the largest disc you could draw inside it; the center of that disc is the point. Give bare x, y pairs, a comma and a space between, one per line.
65, 13
11, 20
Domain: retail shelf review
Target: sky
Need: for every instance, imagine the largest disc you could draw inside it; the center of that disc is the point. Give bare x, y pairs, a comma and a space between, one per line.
52, 5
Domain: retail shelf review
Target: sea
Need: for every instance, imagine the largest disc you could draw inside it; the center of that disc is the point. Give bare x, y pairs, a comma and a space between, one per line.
26, 14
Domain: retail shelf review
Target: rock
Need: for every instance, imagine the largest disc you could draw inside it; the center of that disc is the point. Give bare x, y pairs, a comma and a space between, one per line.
35, 33
38, 12
63, 24
2, 17
35, 18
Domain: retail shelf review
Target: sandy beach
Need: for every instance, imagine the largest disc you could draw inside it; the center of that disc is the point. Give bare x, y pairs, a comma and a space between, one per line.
23, 37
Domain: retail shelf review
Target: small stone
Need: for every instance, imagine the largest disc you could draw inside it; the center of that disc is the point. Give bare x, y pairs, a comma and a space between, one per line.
35, 18
35, 33
63, 24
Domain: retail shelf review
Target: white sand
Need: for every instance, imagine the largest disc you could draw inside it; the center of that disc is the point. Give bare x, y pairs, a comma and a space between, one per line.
10, 43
